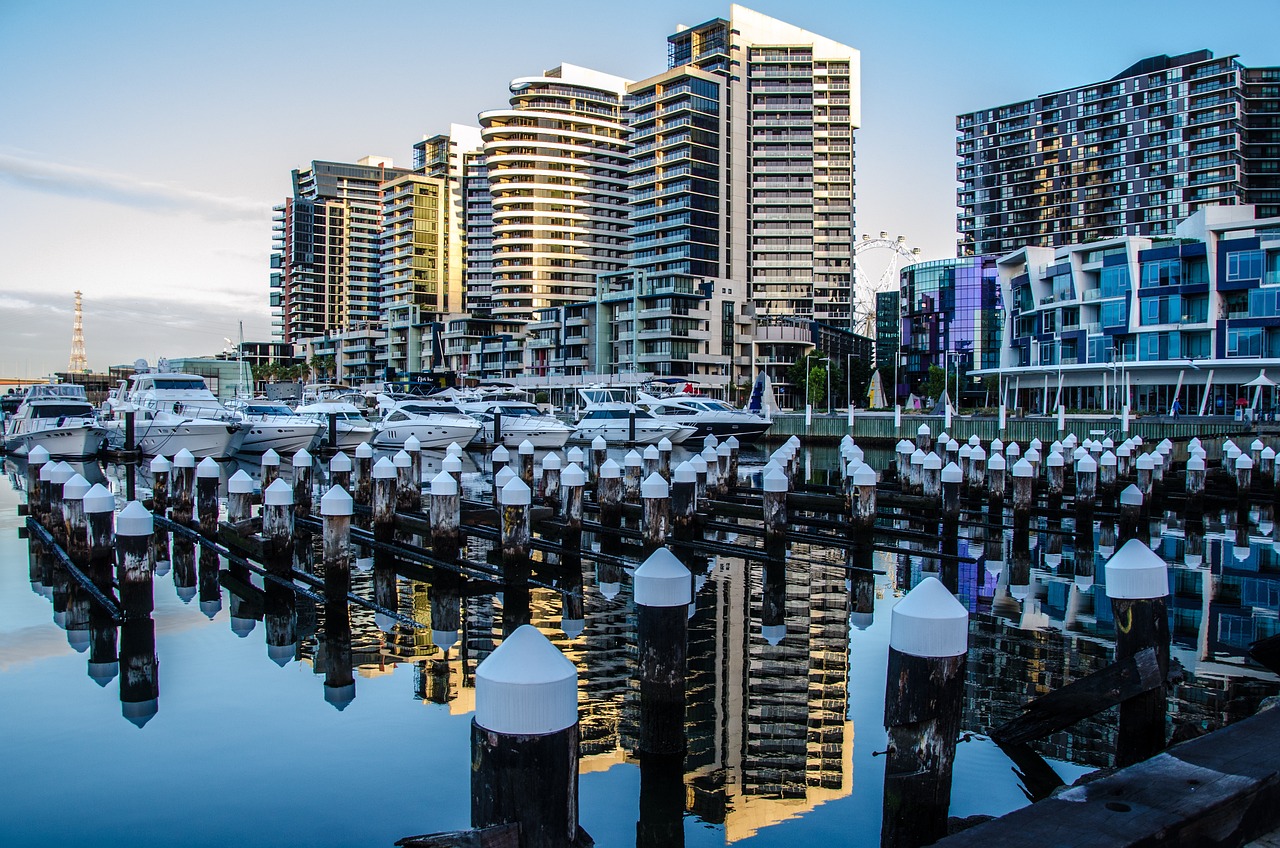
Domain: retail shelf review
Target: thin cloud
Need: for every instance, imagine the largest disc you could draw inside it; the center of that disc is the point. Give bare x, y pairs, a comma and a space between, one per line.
123, 190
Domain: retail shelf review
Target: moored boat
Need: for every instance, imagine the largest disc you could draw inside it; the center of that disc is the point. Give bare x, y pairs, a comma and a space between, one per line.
58, 417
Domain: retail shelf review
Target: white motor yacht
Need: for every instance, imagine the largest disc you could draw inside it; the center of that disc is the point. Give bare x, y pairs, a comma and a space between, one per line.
171, 412
353, 428
60, 418
519, 421
435, 424
608, 415
707, 415
272, 425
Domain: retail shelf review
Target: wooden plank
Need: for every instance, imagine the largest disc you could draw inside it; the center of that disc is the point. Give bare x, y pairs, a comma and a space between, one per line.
1082, 698
1219, 789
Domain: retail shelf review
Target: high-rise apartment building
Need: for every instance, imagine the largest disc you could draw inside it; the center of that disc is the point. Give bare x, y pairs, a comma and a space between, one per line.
557, 165
1131, 155
326, 257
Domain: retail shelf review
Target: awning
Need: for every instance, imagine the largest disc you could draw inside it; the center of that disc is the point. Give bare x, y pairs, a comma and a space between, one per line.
1261, 380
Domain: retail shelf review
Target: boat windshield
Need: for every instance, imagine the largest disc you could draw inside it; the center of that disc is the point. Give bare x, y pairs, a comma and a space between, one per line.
711, 405
428, 409
267, 409
186, 384
602, 414
61, 410
512, 411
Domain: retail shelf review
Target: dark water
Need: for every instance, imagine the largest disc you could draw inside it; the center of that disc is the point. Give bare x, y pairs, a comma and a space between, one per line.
782, 738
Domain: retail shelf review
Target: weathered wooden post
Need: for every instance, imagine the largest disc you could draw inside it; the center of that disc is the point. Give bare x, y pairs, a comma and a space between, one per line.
1243, 476
446, 514
364, 473
1194, 480
700, 471
183, 483
599, 453
864, 500
1033, 456
609, 494
655, 496
965, 458
340, 471
725, 454
684, 501
1137, 584
75, 527
336, 508
499, 459
37, 458
525, 455
1124, 461
517, 499
902, 467
664, 457
632, 465
135, 563
1108, 476
413, 447
915, 471
269, 468
208, 478
931, 477
924, 441
1086, 481
977, 471
951, 480
1143, 466
524, 741
56, 475
928, 642
573, 483
405, 486
652, 462
303, 468
712, 459
1023, 489
1266, 466
277, 529
734, 449
1130, 513
99, 506
996, 479
239, 497
384, 476
774, 494
663, 592
551, 481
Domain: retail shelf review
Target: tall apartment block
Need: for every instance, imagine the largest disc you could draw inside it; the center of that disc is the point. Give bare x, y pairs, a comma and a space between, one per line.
326, 275
1131, 155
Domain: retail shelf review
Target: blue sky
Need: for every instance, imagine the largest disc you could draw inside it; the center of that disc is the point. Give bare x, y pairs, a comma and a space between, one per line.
142, 144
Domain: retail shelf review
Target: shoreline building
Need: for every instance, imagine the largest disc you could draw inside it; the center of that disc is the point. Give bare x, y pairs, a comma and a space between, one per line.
326, 261
1142, 322
952, 318
1132, 155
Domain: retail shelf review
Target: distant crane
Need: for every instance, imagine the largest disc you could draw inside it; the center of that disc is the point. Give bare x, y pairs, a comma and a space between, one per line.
895, 250
79, 362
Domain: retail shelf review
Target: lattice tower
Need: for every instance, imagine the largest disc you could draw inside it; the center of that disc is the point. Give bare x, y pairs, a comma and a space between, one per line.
79, 363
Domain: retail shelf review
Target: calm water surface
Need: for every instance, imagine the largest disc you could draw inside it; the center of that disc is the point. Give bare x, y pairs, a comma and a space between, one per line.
782, 738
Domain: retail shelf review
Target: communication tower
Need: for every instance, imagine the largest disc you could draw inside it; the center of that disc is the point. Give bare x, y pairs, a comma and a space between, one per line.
79, 363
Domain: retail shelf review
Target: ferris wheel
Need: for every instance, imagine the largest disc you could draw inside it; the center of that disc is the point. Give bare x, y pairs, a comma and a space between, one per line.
894, 253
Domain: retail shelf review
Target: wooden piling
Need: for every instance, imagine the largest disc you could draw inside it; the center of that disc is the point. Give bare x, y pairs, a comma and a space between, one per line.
951, 478
928, 641
277, 529
269, 467
239, 497
385, 477
364, 473
655, 496
1137, 584
340, 471
609, 494
75, 527
1130, 513
135, 563
700, 472
208, 478
663, 592
413, 447
924, 440
652, 462
1023, 489
408, 491
524, 741
183, 484
1086, 481
684, 501
573, 483
599, 454
632, 465
996, 480
551, 481
446, 514
499, 459
303, 469
915, 471
516, 501
931, 477
525, 455
37, 458
774, 487
664, 457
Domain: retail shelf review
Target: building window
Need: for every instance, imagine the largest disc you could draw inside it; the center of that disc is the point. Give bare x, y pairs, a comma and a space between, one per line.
1244, 265
1115, 313
1115, 281
1166, 272
1244, 342
1161, 310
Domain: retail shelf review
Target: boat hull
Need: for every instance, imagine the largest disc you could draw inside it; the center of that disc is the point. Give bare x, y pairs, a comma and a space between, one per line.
349, 437
745, 432
60, 442
284, 439
617, 432
203, 439
541, 437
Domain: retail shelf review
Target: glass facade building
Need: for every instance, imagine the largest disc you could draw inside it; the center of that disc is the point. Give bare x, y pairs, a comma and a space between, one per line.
952, 315
888, 327
1131, 155
1143, 322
